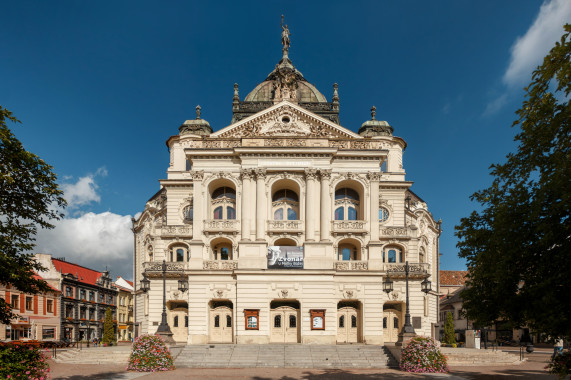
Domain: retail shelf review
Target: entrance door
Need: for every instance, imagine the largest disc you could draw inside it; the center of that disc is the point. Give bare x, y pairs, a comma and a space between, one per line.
347, 325
221, 325
284, 325
391, 325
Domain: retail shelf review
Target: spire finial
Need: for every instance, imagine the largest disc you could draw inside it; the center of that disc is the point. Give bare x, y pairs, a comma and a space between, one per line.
285, 38
198, 108
373, 112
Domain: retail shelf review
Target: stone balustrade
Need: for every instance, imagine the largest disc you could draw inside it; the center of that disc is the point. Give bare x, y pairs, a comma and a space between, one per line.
173, 268
176, 231
397, 270
351, 265
220, 265
281, 226
349, 227
394, 232
222, 225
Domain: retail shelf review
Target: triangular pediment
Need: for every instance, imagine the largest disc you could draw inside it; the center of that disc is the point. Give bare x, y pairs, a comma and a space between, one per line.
285, 119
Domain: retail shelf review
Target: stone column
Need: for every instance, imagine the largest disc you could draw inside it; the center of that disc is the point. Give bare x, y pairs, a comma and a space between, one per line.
374, 179
310, 176
246, 198
325, 204
198, 204
260, 204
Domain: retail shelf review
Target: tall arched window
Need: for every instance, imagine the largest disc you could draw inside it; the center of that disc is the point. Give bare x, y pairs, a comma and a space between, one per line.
224, 203
285, 205
422, 255
188, 213
346, 204
392, 255
383, 214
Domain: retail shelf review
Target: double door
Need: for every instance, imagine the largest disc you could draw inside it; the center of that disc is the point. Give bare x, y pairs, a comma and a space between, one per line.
284, 325
391, 325
347, 325
221, 325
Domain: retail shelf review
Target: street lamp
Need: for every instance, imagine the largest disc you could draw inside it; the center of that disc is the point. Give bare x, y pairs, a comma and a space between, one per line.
164, 329
388, 285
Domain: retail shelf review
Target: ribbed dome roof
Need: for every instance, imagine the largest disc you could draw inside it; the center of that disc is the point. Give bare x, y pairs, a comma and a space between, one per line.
375, 127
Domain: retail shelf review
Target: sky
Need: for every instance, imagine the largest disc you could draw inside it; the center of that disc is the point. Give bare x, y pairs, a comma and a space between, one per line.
101, 85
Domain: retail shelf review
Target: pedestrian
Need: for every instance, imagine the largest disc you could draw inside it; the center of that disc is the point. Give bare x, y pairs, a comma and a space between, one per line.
558, 347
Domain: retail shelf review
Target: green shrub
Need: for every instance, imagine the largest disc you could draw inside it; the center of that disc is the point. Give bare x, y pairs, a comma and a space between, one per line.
422, 355
150, 354
19, 361
449, 333
560, 365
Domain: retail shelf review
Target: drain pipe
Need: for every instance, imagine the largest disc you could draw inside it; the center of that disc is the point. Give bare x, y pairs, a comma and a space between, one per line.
438, 277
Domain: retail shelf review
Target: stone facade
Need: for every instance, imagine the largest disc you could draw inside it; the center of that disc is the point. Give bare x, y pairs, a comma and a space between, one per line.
283, 179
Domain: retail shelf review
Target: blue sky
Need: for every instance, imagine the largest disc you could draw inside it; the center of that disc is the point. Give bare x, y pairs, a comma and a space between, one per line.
100, 86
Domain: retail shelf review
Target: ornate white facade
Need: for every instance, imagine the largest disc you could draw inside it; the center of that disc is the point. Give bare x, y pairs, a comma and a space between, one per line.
285, 174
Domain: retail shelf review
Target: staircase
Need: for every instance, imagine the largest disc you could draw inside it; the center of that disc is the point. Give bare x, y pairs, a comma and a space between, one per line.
95, 355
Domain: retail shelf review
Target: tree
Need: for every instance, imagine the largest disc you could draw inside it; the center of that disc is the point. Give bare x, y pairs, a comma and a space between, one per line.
449, 332
108, 329
29, 197
518, 247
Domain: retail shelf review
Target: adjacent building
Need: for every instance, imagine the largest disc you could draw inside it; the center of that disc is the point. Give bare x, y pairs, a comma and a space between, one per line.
124, 309
38, 315
85, 296
285, 224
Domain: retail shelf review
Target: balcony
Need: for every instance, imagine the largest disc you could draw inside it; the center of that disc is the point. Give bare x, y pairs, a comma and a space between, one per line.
220, 265
177, 231
351, 265
231, 226
395, 232
341, 227
285, 226
415, 270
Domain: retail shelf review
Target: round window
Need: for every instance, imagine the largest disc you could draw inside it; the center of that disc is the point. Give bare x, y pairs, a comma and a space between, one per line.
383, 214
285, 119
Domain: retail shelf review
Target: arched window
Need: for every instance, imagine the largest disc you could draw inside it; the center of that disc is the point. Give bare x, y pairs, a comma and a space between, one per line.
342, 321
224, 203
278, 321
222, 251
392, 255
292, 321
353, 321
175, 322
383, 214
186, 321
179, 254
346, 204
217, 321
228, 321
285, 204
346, 252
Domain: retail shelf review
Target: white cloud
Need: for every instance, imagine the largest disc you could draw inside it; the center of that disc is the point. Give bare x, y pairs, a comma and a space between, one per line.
92, 240
528, 51
84, 191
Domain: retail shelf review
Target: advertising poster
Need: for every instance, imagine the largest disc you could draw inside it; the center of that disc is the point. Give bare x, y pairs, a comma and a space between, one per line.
285, 257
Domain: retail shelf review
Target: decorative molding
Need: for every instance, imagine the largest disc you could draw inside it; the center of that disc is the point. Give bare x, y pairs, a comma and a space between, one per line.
220, 265
374, 176
325, 174
311, 174
197, 175
283, 293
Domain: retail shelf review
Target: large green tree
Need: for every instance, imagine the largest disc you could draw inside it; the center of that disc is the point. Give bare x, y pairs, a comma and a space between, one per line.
29, 198
518, 247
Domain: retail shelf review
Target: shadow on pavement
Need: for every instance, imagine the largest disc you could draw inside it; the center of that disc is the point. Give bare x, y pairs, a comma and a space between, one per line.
345, 375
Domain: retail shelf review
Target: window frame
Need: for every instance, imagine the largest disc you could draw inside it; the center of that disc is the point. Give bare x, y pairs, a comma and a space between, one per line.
254, 313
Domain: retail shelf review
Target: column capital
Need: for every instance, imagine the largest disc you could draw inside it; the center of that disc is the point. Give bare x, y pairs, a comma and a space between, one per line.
374, 176
325, 174
246, 173
197, 174
311, 173
260, 173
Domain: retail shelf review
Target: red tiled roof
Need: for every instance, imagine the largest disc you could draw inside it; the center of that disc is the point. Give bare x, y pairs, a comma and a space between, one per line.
129, 282
453, 277
38, 277
86, 275
122, 288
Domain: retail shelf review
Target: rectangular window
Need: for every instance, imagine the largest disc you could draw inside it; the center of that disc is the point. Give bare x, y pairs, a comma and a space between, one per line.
68, 291
91, 296
48, 332
252, 319
82, 293
50, 306
15, 302
29, 303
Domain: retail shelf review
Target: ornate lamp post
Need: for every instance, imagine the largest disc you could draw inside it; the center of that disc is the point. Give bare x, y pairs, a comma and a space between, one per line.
407, 329
164, 329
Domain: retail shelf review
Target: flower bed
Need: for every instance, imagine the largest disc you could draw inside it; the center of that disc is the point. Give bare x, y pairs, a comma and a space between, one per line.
150, 354
560, 365
422, 355
21, 361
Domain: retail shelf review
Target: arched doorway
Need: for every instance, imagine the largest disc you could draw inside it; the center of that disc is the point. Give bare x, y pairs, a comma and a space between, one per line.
348, 322
284, 322
220, 322
392, 322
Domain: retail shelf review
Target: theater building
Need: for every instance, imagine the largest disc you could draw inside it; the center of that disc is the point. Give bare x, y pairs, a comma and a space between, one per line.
285, 225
